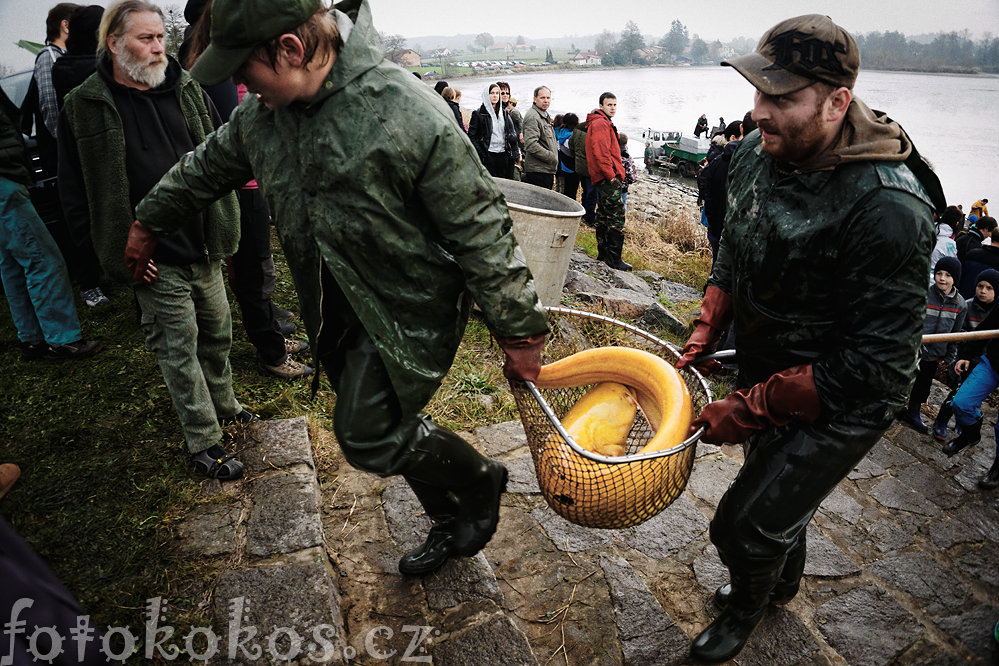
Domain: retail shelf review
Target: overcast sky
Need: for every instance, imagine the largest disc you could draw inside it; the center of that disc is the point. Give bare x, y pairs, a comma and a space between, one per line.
710, 19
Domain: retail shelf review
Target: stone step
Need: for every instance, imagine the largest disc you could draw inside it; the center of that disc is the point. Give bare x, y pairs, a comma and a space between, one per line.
904, 538
276, 595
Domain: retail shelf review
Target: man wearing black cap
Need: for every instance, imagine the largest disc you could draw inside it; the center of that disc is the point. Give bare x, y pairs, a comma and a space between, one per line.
822, 268
391, 228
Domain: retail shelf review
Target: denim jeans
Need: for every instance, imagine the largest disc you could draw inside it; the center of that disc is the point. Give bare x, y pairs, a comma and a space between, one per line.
34, 274
968, 399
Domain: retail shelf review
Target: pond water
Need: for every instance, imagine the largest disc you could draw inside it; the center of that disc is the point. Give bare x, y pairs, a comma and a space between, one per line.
946, 116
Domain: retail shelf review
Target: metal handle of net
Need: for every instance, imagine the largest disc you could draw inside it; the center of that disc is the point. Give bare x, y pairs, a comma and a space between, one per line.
583, 486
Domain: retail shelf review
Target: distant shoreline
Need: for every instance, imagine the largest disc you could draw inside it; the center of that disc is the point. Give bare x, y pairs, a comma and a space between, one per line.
565, 67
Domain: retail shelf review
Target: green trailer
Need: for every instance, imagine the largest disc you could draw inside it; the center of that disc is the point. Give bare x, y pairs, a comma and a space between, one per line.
675, 152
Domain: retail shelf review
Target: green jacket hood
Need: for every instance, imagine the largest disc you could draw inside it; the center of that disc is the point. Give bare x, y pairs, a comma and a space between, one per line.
360, 48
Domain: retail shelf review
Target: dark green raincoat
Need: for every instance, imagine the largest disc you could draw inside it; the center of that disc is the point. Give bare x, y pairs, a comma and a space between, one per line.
828, 267
374, 178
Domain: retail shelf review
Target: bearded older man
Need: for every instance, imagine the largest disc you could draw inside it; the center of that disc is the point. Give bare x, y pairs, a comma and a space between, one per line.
120, 131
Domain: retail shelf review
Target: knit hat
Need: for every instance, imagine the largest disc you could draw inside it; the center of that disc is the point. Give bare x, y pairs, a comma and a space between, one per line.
991, 276
951, 265
798, 52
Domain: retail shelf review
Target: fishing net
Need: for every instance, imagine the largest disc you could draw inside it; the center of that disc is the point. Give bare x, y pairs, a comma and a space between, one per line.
587, 488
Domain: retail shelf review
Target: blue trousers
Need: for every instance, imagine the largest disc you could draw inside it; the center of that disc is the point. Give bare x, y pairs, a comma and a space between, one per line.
968, 399
34, 274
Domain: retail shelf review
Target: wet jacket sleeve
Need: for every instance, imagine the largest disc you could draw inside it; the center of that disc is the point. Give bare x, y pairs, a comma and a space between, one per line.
210, 171
467, 211
881, 298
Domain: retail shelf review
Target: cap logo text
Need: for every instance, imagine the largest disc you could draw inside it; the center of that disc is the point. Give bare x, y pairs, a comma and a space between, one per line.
813, 53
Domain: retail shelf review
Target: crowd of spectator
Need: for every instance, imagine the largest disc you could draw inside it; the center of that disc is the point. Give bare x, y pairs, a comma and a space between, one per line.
961, 298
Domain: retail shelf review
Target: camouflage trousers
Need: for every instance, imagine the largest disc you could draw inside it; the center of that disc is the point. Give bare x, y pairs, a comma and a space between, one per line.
610, 205
188, 325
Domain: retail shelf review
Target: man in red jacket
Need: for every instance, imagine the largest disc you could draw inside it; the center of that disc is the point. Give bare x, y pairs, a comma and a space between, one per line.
603, 158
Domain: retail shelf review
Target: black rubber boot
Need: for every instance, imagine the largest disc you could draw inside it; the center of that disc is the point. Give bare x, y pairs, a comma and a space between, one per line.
724, 638
911, 417
991, 478
439, 545
788, 583
969, 435
943, 419
474, 483
601, 234
615, 245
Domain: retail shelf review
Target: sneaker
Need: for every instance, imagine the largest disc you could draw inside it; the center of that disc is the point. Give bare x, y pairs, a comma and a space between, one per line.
283, 314
295, 346
74, 350
94, 297
290, 369
287, 328
32, 351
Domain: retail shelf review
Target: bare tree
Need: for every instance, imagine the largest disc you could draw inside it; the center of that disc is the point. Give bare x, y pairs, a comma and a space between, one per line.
605, 42
392, 42
484, 39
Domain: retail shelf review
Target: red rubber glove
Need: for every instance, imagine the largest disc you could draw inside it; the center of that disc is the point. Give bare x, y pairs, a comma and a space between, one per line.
789, 395
709, 327
139, 254
523, 356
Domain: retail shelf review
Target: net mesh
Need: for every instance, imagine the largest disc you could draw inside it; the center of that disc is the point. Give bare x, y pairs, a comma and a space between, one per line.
596, 493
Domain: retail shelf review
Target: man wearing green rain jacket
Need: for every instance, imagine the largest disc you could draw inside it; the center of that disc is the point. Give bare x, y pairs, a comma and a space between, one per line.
391, 228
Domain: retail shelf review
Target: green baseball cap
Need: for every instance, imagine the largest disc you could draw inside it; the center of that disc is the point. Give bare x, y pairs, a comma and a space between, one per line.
799, 51
239, 26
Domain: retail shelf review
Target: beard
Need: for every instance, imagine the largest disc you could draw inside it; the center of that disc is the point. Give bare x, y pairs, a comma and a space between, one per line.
797, 140
151, 72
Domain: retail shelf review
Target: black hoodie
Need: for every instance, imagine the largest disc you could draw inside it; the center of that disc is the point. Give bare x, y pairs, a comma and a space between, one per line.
156, 137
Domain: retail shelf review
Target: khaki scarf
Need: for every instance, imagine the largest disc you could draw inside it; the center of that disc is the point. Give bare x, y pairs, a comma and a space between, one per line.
866, 135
